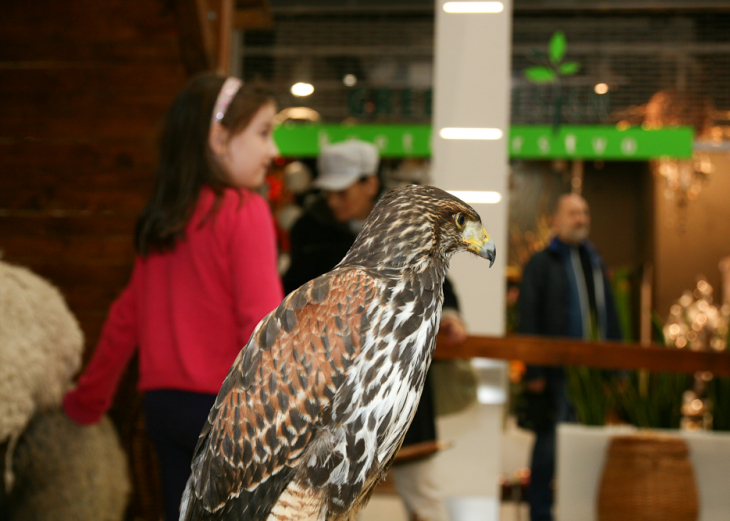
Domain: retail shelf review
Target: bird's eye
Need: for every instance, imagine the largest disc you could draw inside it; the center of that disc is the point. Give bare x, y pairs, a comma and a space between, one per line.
460, 220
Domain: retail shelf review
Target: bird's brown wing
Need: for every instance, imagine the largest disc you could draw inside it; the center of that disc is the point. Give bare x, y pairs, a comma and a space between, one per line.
276, 396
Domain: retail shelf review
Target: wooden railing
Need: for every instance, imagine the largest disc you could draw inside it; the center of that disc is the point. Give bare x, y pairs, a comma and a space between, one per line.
608, 355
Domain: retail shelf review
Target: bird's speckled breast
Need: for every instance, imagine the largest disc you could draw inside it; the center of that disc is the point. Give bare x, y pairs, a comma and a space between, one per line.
382, 389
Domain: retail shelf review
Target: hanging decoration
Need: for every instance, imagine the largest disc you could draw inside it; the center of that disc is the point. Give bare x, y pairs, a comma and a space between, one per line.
683, 181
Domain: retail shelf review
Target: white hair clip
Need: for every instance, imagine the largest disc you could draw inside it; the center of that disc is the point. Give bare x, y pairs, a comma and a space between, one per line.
228, 90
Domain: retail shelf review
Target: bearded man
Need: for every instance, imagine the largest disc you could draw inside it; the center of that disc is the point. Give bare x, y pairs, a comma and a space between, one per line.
564, 293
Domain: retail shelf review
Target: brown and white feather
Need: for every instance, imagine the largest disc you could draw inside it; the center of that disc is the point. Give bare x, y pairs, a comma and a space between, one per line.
316, 405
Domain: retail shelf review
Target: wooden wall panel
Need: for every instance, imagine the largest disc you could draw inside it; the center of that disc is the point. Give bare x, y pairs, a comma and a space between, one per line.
84, 87
54, 197
83, 30
54, 226
84, 117
112, 165
70, 247
97, 82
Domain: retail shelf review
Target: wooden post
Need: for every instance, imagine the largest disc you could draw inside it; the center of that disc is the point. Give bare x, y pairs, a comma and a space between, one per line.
224, 33
206, 28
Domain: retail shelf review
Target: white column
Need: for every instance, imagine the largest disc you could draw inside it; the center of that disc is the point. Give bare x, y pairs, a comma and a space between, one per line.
471, 91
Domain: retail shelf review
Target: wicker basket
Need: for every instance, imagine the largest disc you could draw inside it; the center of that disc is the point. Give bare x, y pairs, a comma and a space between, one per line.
646, 478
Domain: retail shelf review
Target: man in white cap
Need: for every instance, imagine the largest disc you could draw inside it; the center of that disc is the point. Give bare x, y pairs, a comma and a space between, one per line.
349, 185
348, 177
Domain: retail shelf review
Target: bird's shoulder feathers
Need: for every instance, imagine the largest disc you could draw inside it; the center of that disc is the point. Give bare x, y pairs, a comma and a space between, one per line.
278, 394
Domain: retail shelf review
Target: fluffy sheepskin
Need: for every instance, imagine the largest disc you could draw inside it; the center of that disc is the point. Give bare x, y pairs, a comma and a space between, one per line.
67, 472
63, 471
40, 351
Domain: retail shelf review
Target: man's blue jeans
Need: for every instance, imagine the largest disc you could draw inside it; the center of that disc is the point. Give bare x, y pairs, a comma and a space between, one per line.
542, 468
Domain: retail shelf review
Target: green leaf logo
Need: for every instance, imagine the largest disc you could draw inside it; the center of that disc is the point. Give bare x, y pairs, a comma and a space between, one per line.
568, 68
540, 74
558, 45
552, 67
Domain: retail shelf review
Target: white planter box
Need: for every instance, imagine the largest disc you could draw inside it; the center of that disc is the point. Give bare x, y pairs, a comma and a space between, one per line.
581, 457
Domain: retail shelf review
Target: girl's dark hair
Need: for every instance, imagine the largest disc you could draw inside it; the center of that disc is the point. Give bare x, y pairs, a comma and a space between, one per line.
186, 162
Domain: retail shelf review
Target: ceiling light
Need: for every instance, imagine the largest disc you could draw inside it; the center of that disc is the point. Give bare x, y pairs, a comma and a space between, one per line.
473, 197
471, 133
473, 7
302, 89
349, 80
297, 113
601, 88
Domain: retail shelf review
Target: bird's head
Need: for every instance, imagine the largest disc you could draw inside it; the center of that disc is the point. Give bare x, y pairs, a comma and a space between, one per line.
411, 225
462, 230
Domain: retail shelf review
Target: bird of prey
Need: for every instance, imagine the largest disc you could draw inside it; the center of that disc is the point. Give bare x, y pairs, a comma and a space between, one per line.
316, 405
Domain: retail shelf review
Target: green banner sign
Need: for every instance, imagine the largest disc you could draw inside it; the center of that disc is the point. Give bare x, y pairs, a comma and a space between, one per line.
305, 140
599, 142
525, 141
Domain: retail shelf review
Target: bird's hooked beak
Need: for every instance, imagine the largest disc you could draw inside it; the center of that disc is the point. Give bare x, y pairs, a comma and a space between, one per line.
477, 241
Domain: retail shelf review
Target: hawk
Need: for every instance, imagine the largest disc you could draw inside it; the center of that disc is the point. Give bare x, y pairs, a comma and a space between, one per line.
317, 403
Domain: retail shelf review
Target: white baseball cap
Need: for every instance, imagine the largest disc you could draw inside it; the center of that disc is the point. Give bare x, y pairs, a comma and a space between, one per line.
341, 164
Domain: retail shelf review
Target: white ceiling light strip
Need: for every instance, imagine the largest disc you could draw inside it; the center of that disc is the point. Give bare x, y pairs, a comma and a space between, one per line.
473, 7
471, 133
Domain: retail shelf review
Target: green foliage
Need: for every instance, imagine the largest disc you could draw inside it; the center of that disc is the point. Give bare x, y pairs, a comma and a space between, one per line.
551, 67
652, 400
718, 394
657, 329
540, 74
590, 393
621, 285
641, 398
568, 68
557, 47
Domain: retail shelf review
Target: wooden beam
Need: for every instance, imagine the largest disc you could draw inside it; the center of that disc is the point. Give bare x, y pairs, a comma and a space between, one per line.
607, 355
195, 42
250, 18
224, 32
205, 28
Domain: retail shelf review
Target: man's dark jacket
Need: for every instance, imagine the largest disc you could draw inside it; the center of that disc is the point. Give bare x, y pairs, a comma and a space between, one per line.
544, 306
